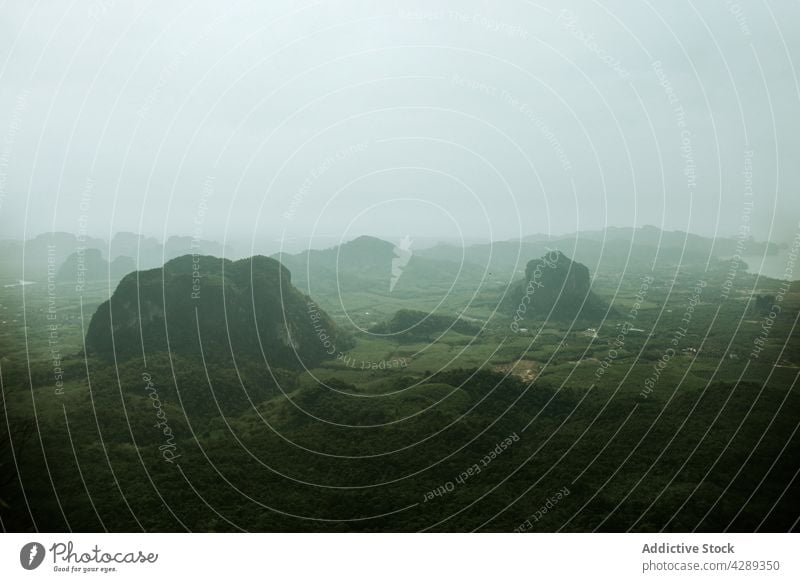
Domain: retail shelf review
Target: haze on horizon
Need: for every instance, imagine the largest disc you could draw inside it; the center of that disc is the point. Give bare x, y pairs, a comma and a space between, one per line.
459, 119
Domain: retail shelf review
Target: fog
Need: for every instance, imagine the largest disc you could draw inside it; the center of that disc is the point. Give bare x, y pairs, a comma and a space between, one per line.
323, 121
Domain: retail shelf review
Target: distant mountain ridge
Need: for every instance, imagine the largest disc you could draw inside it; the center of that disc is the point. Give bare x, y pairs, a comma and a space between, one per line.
44, 255
413, 325
654, 236
370, 263
611, 250
89, 265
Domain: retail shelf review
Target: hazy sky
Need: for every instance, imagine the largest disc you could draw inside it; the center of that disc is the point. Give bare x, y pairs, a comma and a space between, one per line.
432, 119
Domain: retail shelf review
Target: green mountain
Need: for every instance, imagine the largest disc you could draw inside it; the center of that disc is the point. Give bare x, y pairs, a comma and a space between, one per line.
413, 325
554, 287
217, 309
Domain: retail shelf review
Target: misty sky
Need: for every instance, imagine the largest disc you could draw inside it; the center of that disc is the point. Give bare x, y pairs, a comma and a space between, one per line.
470, 119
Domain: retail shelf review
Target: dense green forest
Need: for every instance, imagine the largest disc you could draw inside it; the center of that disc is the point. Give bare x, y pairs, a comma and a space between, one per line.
359, 389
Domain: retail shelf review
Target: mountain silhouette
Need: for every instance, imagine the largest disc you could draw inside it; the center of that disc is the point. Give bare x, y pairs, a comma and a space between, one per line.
214, 308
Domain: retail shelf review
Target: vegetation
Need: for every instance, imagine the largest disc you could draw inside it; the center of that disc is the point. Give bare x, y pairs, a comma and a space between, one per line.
653, 409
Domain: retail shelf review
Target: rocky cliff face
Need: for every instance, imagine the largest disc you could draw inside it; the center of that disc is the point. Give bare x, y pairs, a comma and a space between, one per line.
217, 308
554, 287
